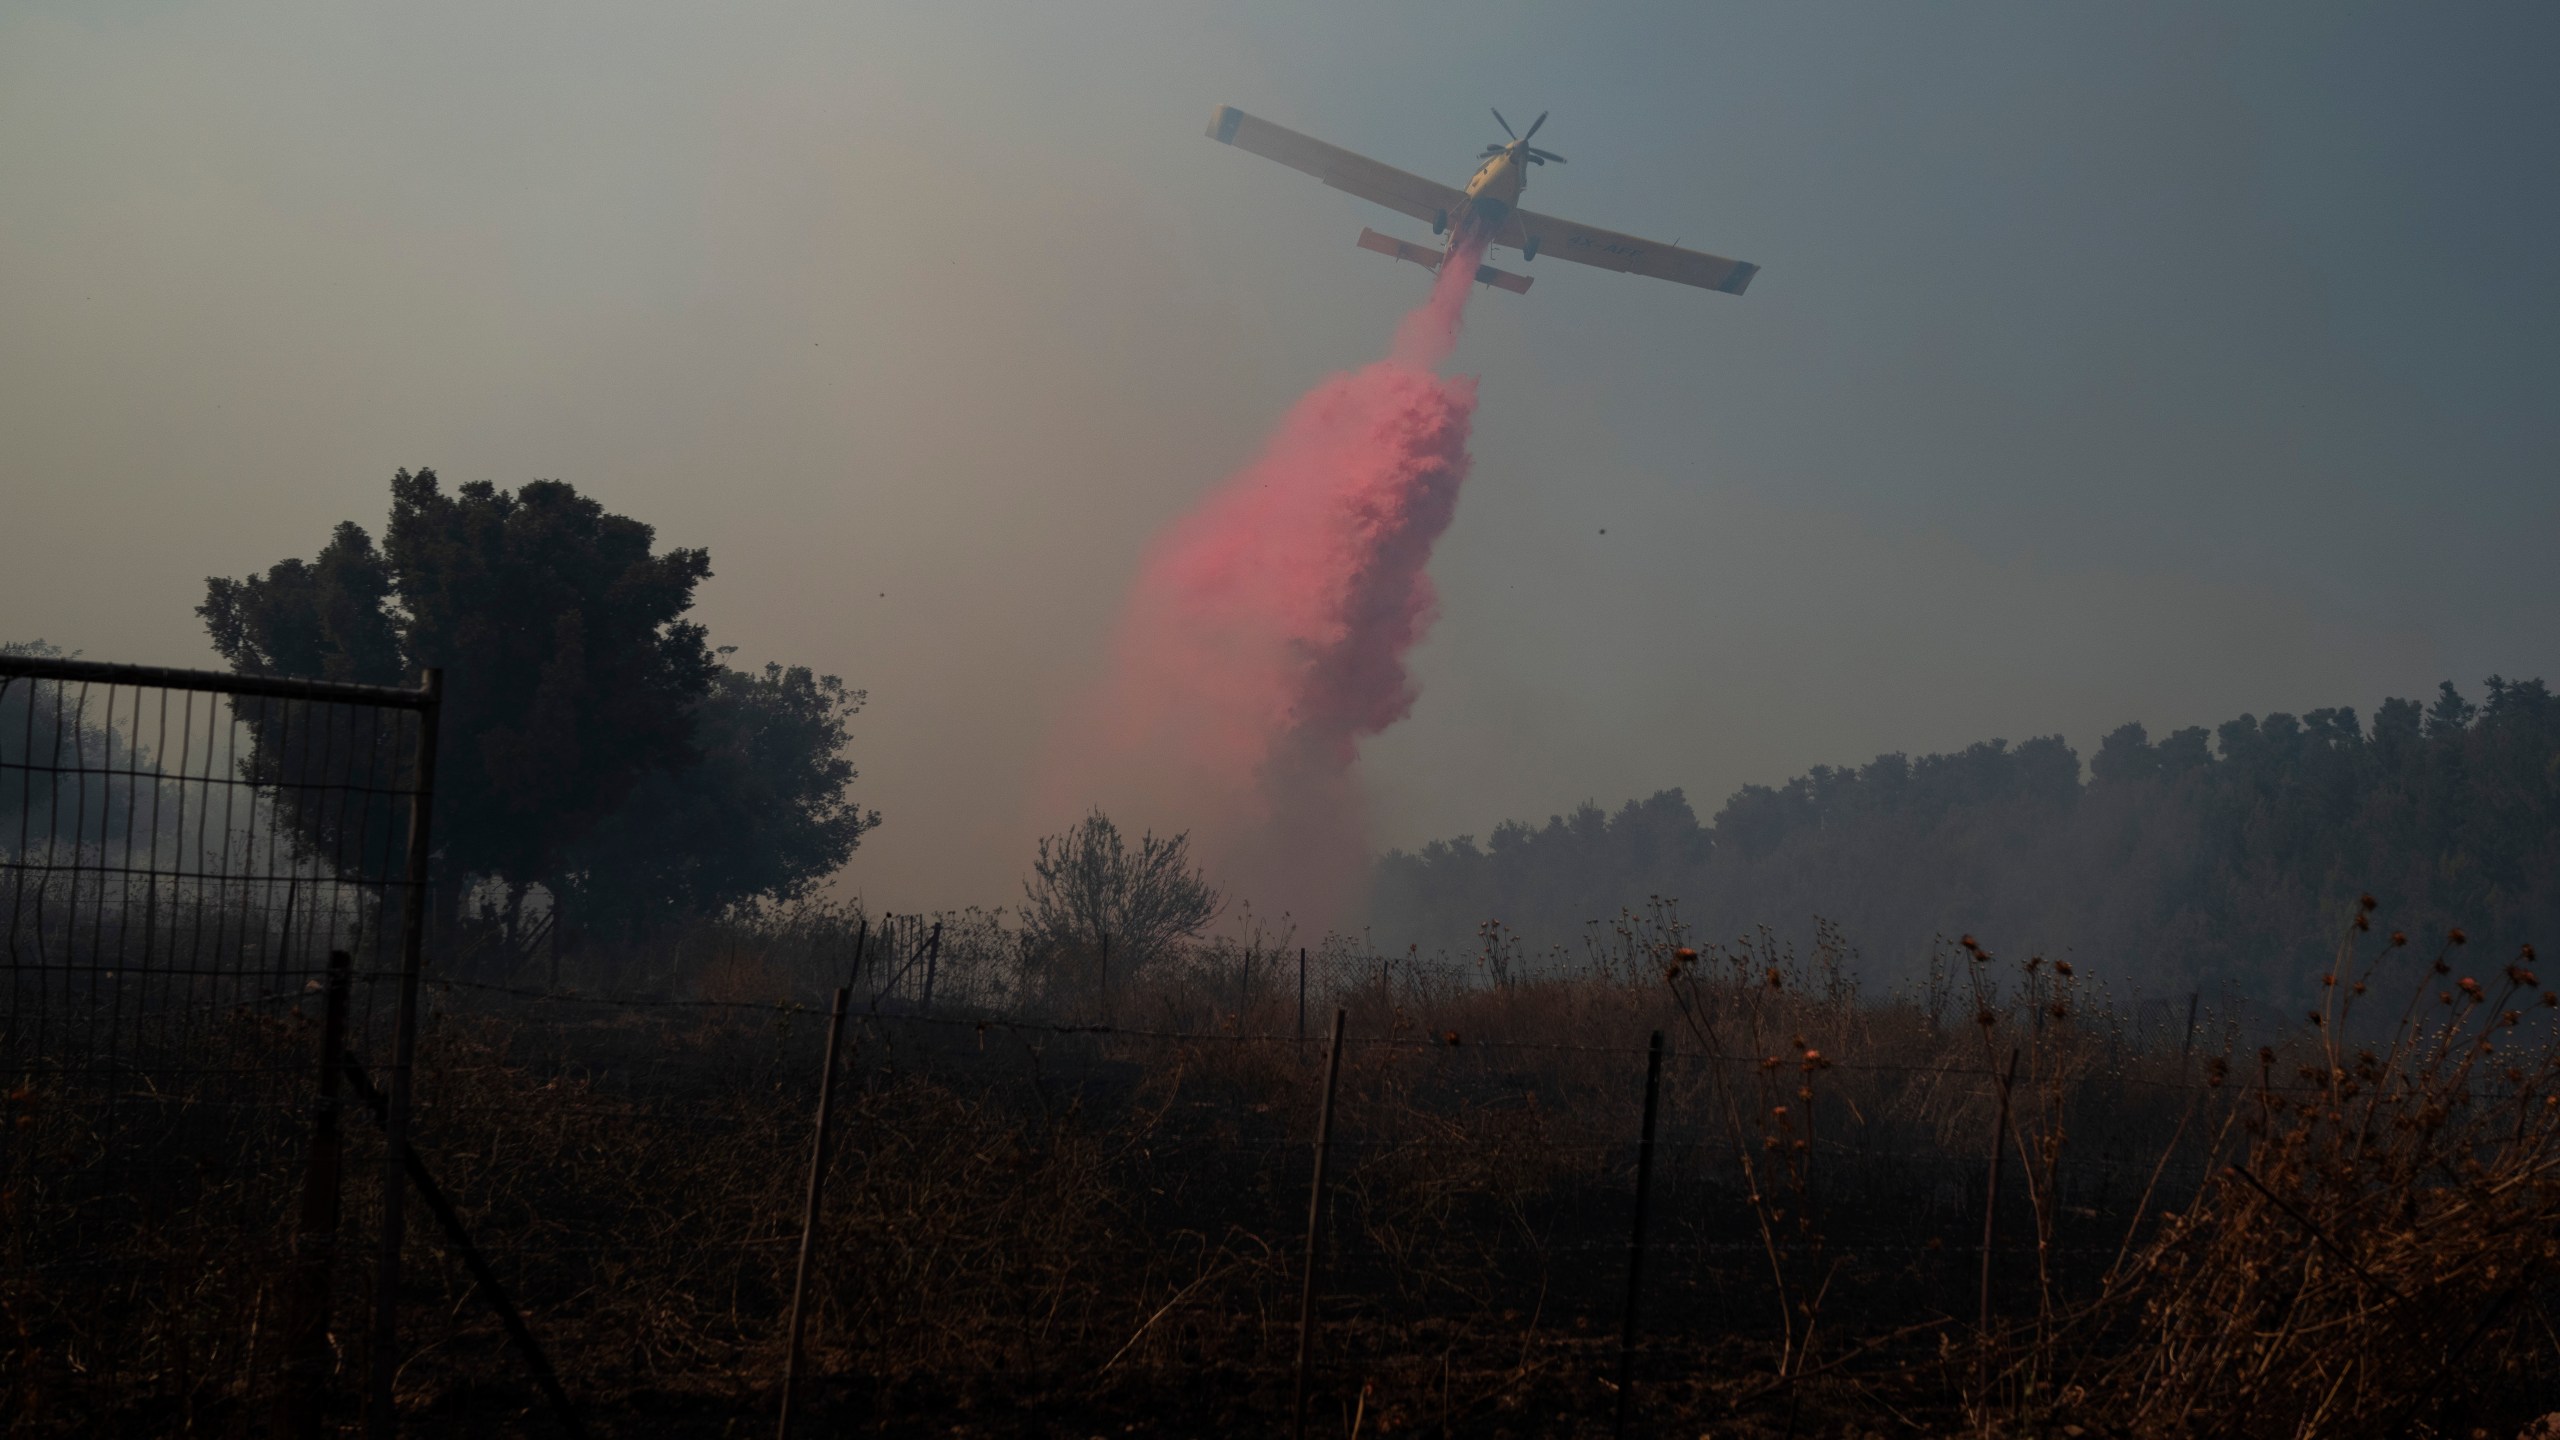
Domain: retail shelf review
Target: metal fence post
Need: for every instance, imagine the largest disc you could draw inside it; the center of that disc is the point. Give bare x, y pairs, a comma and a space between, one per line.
932, 958
2187, 1045
1991, 1198
809, 1208
382, 1414
299, 1400
1315, 1222
1635, 1236
492, 1289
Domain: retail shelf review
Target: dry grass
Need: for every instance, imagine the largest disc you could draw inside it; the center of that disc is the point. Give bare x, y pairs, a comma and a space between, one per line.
1031, 1225
2383, 1225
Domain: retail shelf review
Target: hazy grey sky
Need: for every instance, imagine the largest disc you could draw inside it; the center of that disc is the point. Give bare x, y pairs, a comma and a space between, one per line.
2144, 362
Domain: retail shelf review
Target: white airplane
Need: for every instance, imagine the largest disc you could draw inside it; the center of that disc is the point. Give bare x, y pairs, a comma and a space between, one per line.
1489, 206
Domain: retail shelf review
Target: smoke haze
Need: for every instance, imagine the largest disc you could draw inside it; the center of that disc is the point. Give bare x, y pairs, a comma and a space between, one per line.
2160, 362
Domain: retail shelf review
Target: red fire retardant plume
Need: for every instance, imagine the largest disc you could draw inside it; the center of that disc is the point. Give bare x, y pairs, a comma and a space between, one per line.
1266, 633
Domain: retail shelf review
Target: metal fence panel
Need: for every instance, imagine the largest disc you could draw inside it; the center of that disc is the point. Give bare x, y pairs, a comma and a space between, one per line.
180, 854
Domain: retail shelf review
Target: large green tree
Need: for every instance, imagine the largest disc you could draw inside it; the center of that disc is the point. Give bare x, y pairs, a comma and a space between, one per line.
763, 814
581, 706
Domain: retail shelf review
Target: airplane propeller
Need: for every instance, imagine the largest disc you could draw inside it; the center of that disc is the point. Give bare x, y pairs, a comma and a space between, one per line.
1535, 156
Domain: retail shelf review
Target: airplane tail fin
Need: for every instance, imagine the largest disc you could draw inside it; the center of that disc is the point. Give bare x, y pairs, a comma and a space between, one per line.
1429, 259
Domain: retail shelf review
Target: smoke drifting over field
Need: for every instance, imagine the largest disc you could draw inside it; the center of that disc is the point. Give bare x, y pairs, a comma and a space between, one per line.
1266, 631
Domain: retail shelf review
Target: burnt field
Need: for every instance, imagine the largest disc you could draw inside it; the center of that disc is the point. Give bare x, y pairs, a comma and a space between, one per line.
1069, 1204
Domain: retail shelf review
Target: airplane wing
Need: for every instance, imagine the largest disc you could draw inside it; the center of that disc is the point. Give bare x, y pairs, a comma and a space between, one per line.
1612, 251
1424, 200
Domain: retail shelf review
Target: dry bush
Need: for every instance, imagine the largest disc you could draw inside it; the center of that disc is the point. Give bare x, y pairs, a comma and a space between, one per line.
2372, 1253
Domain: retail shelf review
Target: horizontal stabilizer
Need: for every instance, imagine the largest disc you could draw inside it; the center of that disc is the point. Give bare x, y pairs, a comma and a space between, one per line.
1429, 259
1422, 255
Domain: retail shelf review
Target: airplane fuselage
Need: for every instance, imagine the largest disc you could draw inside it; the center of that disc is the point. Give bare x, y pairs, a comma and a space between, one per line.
1495, 191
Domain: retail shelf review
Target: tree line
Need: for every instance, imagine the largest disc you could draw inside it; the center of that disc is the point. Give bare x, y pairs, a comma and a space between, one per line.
2233, 855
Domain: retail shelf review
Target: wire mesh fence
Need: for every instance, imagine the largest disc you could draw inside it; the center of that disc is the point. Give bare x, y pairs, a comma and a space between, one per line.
181, 855
1033, 1206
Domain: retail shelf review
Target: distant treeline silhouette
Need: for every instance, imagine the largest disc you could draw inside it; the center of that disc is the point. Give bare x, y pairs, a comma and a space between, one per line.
2199, 860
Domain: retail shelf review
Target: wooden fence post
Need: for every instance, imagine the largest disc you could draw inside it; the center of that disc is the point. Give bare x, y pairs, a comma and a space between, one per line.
1315, 1222
1635, 1237
809, 1208
305, 1331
